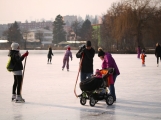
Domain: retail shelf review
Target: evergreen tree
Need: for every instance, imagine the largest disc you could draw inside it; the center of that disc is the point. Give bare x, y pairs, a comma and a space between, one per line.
76, 28
58, 30
14, 33
86, 31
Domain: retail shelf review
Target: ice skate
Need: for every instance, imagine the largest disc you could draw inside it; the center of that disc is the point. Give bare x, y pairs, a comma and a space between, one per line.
68, 70
62, 69
157, 65
19, 99
13, 97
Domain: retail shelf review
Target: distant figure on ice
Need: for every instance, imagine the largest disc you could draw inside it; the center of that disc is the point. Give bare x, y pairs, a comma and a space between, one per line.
17, 59
143, 57
158, 53
50, 53
67, 54
109, 62
138, 52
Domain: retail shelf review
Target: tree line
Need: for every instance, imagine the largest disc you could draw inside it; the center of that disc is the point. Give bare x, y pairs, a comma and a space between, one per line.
132, 23
126, 25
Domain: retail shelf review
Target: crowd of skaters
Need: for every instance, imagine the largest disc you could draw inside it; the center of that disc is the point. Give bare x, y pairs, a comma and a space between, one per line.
86, 53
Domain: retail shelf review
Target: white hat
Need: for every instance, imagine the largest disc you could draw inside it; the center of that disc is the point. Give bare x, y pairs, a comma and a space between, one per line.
14, 46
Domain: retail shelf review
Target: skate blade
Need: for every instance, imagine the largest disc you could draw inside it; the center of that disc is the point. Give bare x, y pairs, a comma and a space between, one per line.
13, 100
22, 101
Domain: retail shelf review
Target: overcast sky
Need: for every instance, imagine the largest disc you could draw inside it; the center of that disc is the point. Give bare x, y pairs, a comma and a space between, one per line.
22, 10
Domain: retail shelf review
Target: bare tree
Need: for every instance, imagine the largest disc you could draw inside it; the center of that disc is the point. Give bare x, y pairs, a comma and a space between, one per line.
39, 35
130, 21
25, 33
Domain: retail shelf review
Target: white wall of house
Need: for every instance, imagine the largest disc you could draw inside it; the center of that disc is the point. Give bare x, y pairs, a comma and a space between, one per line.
47, 36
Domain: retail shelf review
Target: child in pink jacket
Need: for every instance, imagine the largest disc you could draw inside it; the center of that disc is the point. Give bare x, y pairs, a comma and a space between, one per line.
67, 54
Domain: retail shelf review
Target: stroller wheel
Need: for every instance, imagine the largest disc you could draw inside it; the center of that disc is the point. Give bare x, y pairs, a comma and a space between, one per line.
109, 100
83, 100
92, 102
96, 101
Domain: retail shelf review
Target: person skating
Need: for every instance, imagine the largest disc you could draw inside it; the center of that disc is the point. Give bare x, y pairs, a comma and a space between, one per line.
138, 52
67, 54
158, 53
87, 52
143, 57
109, 62
50, 53
17, 59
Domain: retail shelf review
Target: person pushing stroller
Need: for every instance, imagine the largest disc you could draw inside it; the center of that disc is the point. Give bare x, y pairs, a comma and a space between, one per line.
95, 87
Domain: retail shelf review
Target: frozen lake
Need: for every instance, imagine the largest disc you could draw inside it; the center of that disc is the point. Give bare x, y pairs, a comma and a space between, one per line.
48, 91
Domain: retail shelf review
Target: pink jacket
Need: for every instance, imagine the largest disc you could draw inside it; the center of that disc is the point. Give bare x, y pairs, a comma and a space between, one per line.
109, 62
68, 54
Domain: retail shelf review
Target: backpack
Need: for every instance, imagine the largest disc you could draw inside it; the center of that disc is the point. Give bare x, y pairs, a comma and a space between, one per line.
10, 65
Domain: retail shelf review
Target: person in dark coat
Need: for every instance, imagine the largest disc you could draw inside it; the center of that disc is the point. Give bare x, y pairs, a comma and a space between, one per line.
86, 53
158, 53
50, 53
17, 59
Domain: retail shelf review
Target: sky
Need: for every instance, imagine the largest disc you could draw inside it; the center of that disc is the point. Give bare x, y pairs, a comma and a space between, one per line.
31, 10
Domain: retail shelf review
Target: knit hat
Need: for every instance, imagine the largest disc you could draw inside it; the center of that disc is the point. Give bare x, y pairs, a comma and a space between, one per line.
100, 52
14, 46
88, 43
97, 71
68, 48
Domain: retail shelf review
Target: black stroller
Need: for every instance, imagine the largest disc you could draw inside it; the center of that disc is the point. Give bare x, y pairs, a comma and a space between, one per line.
95, 89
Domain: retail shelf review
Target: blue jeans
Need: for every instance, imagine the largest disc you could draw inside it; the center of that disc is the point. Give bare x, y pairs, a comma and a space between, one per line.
84, 76
112, 88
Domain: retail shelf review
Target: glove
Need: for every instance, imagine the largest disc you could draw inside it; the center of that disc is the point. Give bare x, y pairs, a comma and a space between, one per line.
83, 47
82, 51
25, 54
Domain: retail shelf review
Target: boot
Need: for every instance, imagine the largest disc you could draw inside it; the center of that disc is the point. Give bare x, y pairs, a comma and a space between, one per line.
19, 99
13, 97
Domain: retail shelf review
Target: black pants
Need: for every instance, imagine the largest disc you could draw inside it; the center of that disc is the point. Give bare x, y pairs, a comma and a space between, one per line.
17, 84
49, 59
158, 59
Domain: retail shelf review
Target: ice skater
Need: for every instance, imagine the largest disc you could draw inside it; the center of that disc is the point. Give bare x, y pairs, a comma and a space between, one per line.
143, 57
50, 53
67, 54
17, 59
158, 53
138, 52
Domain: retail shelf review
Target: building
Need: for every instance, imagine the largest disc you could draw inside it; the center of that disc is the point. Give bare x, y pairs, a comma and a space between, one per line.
38, 37
34, 25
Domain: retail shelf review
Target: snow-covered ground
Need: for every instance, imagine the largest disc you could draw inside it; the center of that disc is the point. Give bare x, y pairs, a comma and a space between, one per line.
49, 91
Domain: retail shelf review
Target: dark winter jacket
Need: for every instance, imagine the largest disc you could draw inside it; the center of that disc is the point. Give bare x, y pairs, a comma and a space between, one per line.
50, 53
16, 59
158, 51
87, 63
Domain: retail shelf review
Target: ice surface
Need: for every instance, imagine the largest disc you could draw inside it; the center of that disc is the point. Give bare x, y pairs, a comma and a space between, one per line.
49, 91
